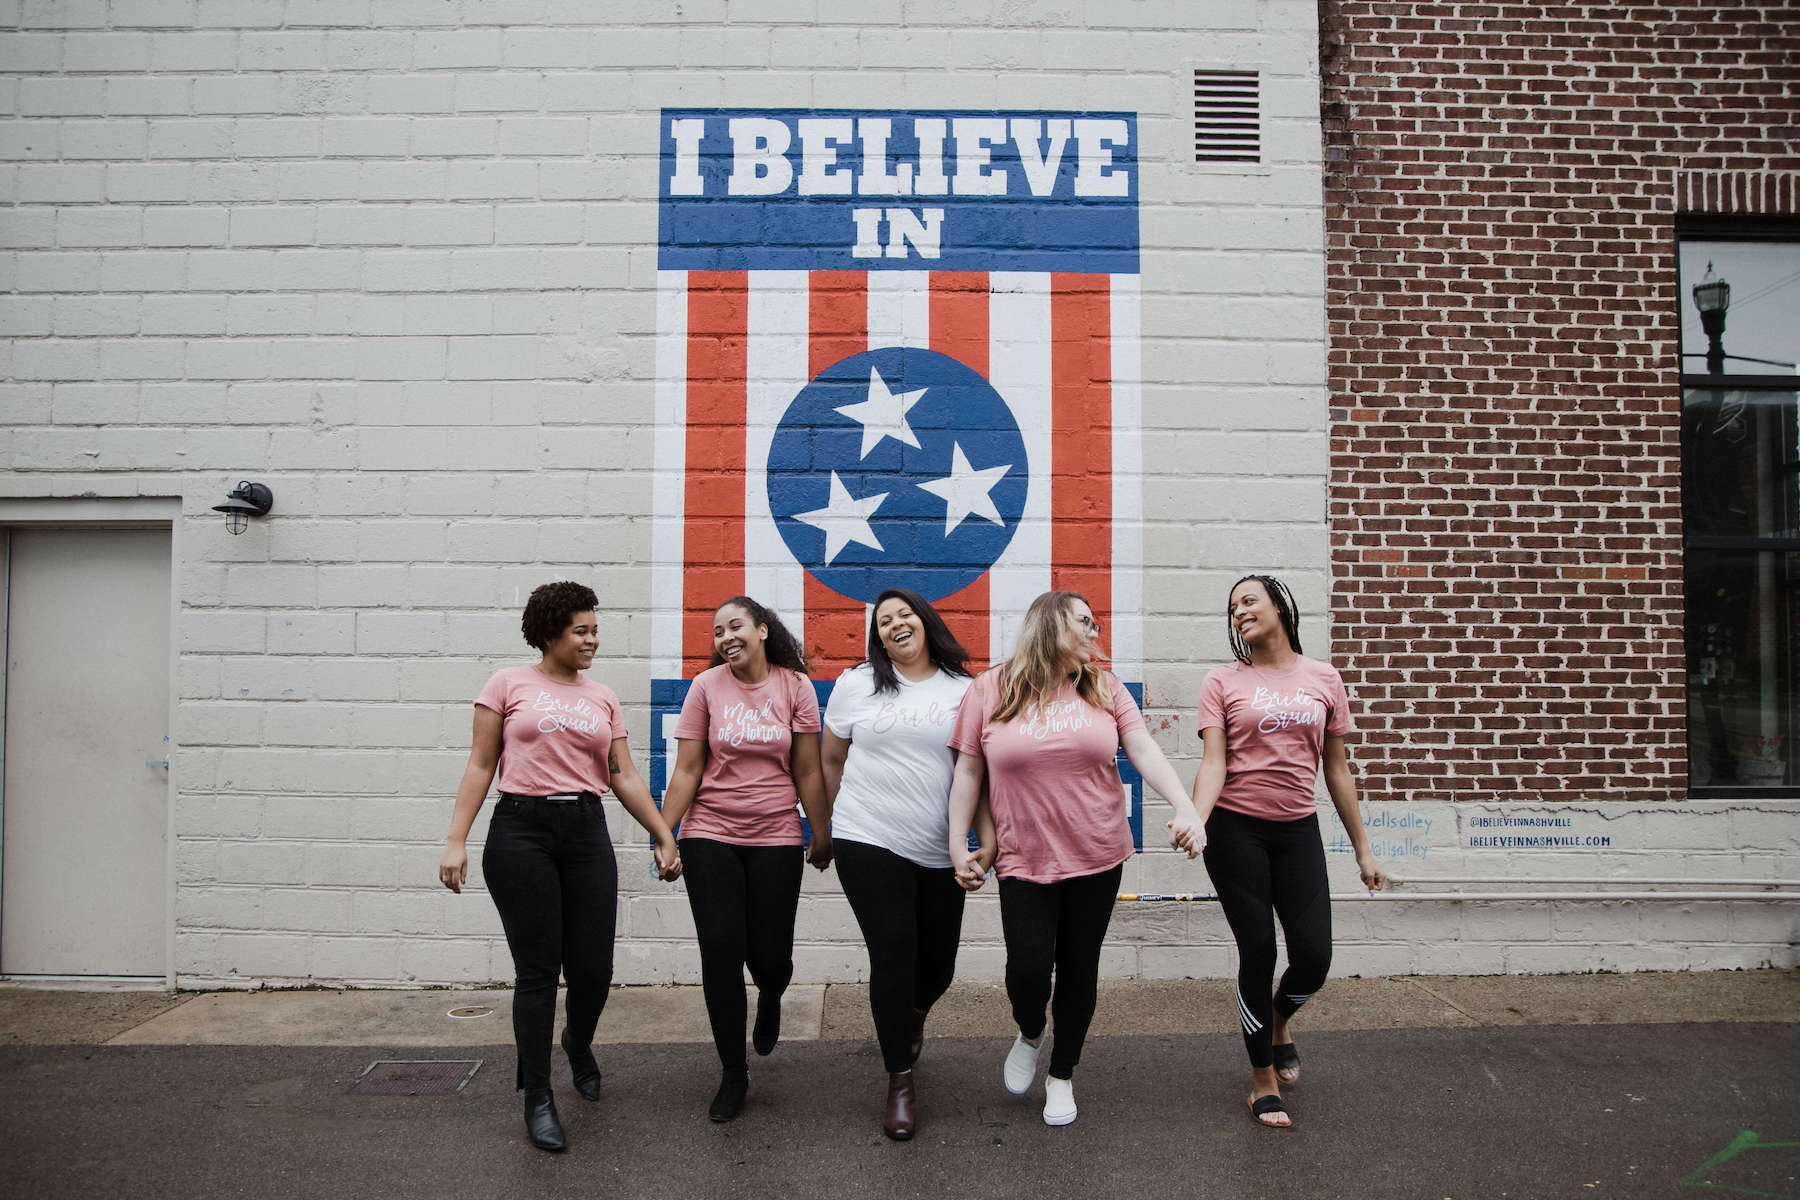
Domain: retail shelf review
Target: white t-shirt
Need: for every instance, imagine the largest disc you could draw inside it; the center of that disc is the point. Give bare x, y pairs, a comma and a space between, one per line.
896, 787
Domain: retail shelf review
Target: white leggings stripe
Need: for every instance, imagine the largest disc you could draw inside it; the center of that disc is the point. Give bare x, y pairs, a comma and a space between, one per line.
1251, 1024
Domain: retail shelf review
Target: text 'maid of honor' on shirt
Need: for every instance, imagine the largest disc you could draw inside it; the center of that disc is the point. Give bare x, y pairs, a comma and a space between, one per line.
746, 794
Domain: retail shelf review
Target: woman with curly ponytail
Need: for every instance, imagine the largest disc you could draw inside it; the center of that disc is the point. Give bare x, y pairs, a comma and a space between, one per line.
747, 746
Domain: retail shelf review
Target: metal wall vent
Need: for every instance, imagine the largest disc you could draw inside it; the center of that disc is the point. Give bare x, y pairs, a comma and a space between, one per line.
1227, 116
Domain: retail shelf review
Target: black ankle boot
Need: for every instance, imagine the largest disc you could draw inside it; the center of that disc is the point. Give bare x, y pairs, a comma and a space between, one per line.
733, 1086
583, 1067
767, 1030
541, 1125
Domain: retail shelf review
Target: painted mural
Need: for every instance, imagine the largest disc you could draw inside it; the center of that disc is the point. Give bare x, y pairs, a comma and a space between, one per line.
894, 348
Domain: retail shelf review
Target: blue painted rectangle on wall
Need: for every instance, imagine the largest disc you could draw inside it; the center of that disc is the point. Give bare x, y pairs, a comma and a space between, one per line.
871, 190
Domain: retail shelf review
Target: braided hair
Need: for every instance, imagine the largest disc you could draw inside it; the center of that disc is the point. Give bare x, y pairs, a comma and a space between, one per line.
1285, 608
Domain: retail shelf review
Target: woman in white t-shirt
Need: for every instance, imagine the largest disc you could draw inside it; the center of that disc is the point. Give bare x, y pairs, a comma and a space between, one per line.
887, 782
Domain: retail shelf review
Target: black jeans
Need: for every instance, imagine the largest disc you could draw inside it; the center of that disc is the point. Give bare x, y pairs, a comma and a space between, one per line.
1056, 927
1262, 870
911, 919
549, 866
744, 900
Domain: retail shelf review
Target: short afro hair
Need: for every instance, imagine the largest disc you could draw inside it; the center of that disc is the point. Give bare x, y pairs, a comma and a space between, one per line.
548, 611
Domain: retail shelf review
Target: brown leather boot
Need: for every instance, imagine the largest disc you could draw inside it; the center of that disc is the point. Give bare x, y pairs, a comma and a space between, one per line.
898, 1123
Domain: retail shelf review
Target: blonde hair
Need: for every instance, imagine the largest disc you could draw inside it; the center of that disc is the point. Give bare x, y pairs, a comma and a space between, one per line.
1038, 667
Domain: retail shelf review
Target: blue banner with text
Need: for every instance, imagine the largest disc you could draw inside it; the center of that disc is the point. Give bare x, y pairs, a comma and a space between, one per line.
856, 190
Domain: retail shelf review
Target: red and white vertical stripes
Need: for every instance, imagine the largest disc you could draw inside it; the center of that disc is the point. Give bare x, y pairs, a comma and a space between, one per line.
735, 348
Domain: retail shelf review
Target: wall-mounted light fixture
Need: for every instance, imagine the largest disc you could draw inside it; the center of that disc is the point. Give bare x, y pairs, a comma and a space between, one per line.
246, 500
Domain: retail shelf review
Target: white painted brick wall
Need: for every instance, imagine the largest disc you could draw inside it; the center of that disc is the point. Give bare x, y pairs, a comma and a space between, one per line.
396, 260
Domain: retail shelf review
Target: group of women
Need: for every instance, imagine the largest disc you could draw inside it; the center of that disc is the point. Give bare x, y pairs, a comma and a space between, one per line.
921, 781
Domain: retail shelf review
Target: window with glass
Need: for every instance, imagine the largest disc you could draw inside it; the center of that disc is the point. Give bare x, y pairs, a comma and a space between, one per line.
1740, 475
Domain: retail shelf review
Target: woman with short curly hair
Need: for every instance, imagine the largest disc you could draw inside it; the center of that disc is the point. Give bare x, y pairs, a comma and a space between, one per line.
557, 740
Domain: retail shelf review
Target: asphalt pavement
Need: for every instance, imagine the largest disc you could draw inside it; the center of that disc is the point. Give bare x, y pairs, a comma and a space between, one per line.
1455, 1106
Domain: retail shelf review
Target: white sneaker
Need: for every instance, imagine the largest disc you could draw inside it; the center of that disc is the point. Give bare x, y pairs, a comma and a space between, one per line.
1021, 1065
1059, 1101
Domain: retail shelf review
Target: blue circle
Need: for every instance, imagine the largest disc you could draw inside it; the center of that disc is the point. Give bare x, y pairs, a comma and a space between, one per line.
957, 409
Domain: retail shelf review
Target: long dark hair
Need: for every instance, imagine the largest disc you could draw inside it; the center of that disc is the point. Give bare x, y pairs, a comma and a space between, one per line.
782, 649
946, 653
1285, 608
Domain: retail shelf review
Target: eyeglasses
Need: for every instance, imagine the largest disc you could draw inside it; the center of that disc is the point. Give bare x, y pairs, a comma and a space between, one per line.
1089, 624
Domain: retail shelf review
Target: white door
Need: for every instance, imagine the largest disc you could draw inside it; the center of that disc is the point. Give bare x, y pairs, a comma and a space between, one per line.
84, 827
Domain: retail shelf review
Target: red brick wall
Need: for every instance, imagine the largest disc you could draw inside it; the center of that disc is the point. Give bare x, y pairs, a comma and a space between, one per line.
1502, 185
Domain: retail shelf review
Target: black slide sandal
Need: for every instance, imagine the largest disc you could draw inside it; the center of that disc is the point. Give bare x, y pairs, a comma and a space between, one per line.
1263, 1105
1287, 1058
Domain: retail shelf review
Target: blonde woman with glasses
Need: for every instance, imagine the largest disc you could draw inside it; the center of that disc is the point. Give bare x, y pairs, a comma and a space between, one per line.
1044, 730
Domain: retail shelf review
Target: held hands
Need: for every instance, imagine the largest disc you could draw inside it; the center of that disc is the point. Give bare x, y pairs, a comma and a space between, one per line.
971, 869
668, 860
1372, 876
1189, 836
453, 868
819, 852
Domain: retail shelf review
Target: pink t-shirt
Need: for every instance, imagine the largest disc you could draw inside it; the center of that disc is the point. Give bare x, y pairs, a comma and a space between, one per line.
554, 737
1275, 724
747, 788
1053, 779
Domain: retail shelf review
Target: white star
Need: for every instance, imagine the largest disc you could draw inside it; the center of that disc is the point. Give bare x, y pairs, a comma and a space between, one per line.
844, 520
965, 491
883, 414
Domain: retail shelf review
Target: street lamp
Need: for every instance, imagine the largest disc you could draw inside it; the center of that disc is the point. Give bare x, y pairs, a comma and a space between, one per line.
1712, 296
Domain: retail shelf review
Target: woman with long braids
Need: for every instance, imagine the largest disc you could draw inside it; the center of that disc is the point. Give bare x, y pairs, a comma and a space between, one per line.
887, 783
747, 745
1044, 730
557, 740
1267, 721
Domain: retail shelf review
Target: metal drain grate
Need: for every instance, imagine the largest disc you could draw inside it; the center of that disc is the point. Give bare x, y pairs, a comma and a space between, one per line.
416, 1077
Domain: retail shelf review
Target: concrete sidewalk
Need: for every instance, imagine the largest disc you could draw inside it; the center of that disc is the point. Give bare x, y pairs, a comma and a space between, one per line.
37, 1016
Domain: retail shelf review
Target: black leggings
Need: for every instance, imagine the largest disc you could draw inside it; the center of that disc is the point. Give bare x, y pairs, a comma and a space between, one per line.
1056, 927
744, 900
911, 918
1262, 868
550, 868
